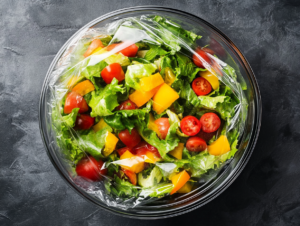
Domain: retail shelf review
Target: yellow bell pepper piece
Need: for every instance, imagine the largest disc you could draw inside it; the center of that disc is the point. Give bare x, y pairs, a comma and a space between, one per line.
150, 157
110, 144
132, 162
169, 76
100, 125
179, 180
140, 97
177, 152
149, 83
163, 98
219, 147
84, 87
152, 125
73, 81
211, 78
99, 51
186, 188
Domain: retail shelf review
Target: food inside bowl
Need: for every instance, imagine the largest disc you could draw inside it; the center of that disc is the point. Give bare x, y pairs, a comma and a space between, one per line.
143, 110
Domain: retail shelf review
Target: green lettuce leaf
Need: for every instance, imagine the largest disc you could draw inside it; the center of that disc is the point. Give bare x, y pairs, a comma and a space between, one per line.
135, 72
118, 58
71, 118
120, 188
104, 101
154, 51
157, 191
211, 102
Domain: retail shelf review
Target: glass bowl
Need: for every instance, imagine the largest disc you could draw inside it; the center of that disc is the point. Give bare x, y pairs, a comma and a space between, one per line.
229, 53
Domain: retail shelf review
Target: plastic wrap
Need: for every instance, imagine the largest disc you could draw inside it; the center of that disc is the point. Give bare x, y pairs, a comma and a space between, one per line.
73, 67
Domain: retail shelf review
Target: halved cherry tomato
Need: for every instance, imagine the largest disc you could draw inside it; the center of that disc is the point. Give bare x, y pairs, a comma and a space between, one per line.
130, 139
126, 105
112, 71
90, 168
74, 100
206, 136
129, 51
131, 176
210, 122
201, 86
204, 56
163, 126
190, 125
196, 144
121, 151
142, 148
84, 121
96, 43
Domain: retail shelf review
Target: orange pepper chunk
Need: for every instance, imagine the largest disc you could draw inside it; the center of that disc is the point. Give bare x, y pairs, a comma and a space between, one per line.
163, 98
84, 87
132, 162
140, 97
149, 83
96, 43
179, 180
219, 146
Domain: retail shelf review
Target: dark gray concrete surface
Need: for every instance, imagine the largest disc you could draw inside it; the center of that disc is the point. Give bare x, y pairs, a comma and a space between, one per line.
268, 190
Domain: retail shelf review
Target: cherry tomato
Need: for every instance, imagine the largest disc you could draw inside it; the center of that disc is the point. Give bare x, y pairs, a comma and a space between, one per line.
190, 125
201, 86
129, 51
210, 122
196, 144
206, 136
131, 176
84, 121
208, 50
163, 126
130, 139
112, 71
96, 43
142, 148
90, 168
126, 105
217, 48
121, 151
74, 100
204, 56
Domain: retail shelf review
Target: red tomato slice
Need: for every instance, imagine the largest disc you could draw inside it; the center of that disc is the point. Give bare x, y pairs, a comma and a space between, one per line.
129, 51
142, 148
131, 176
201, 86
190, 125
210, 122
130, 139
196, 144
163, 126
121, 151
112, 71
90, 168
204, 56
96, 43
74, 100
84, 121
126, 105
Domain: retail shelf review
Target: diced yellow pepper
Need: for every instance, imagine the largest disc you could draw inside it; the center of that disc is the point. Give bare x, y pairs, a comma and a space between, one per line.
84, 87
152, 125
169, 76
211, 78
150, 157
177, 152
74, 80
99, 51
110, 144
132, 162
140, 97
100, 125
186, 188
219, 147
149, 83
179, 180
163, 98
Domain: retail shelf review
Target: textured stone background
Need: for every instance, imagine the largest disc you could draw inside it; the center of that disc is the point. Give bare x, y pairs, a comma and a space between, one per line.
268, 190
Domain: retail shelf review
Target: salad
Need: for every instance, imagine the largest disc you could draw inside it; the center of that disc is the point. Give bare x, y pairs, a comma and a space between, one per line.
145, 111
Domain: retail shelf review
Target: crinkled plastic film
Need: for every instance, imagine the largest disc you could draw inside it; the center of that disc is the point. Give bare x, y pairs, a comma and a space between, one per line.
128, 31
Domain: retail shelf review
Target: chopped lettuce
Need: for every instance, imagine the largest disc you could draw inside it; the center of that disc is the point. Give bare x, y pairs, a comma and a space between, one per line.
105, 100
135, 72
211, 102
154, 51
118, 58
71, 118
